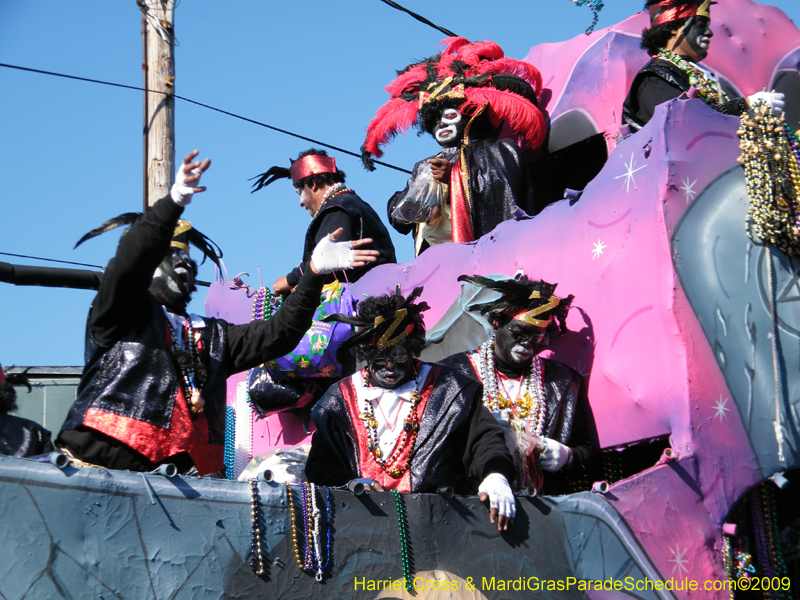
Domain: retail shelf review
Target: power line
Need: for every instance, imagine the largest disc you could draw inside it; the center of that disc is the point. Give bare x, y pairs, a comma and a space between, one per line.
219, 110
419, 18
66, 262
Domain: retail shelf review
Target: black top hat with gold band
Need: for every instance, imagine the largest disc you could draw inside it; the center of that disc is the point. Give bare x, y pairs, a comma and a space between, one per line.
384, 323
532, 302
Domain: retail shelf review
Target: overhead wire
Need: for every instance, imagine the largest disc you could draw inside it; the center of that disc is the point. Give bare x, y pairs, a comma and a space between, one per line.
66, 262
208, 106
419, 18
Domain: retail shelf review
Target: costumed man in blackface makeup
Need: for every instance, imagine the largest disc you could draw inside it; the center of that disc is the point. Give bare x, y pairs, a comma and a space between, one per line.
19, 437
541, 404
405, 425
332, 206
153, 388
677, 39
462, 97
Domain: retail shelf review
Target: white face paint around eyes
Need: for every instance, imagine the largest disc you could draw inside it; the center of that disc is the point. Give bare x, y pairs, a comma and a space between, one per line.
451, 117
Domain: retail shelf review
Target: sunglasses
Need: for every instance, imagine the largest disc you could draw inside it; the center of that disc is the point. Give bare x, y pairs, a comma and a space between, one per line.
398, 358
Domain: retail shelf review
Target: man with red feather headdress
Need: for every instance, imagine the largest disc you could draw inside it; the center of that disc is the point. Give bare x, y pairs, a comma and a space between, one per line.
462, 96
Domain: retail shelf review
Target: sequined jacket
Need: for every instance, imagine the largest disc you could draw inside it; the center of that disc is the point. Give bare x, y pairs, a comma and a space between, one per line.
498, 183
359, 220
657, 82
130, 395
458, 443
567, 415
23, 437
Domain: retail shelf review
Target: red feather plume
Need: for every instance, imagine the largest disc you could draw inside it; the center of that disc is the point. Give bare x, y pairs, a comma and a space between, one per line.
415, 74
520, 68
524, 118
394, 117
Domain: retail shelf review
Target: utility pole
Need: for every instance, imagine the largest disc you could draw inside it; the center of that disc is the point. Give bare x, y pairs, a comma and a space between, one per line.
158, 45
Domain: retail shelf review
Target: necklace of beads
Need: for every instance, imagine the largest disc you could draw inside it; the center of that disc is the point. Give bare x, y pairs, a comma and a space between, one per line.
312, 559
402, 528
256, 557
315, 512
193, 373
771, 159
408, 439
337, 188
706, 88
294, 527
306, 503
530, 399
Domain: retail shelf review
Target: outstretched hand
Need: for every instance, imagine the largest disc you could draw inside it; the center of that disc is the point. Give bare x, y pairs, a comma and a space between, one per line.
330, 255
188, 177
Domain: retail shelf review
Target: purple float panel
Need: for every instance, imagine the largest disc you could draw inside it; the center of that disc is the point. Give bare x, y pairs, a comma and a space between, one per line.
587, 78
650, 362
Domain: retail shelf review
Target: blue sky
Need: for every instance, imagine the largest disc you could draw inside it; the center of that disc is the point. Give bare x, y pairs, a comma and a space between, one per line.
71, 152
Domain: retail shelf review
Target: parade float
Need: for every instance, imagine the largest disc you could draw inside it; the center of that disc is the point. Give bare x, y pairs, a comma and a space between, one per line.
686, 329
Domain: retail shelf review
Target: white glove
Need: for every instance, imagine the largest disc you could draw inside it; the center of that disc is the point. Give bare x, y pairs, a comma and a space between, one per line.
180, 192
330, 256
500, 495
554, 456
771, 99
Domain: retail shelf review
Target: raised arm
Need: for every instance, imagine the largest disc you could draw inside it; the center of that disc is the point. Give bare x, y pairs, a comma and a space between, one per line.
123, 292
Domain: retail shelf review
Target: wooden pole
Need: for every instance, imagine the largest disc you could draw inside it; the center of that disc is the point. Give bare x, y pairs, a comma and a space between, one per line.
159, 126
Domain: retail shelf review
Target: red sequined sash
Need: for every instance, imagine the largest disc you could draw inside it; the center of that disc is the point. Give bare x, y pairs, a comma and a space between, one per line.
185, 434
460, 209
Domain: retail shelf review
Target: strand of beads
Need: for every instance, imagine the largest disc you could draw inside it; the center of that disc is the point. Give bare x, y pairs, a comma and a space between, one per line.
256, 557
772, 174
486, 366
317, 558
307, 527
188, 361
706, 88
402, 527
337, 188
294, 527
535, 388
230, 441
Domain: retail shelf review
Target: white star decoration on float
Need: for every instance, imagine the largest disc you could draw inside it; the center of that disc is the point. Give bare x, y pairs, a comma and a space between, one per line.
677, 558
628, 174
721, 408
598, 249
688, 189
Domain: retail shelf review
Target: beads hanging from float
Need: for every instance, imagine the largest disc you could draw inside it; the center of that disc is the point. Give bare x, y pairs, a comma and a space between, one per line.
771, 159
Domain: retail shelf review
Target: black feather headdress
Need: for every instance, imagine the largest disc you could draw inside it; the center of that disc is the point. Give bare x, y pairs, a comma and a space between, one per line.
384, 322
272, 175
530, 301
184, 234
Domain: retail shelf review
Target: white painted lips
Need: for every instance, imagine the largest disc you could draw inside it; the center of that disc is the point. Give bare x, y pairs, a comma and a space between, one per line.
445, 133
